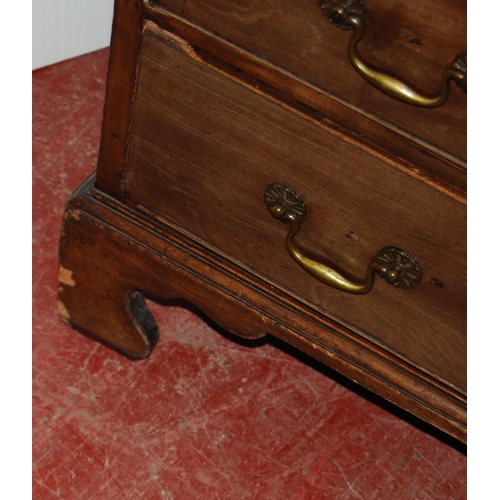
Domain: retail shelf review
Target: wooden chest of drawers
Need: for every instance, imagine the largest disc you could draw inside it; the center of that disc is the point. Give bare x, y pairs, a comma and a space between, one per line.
223, 120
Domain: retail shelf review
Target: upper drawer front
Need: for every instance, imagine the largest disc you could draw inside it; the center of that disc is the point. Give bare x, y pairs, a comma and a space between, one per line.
203, 148
414, 41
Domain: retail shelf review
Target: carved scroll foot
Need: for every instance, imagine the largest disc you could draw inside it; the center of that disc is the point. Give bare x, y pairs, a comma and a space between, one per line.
108, 260
97, 294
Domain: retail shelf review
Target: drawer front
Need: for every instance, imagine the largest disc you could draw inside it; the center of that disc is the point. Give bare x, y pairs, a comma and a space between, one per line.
414, 41
204, 145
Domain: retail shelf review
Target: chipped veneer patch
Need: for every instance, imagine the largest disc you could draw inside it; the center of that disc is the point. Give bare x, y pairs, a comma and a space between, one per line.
66, 277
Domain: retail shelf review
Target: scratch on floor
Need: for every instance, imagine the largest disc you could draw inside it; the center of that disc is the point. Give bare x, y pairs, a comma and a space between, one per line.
349, 485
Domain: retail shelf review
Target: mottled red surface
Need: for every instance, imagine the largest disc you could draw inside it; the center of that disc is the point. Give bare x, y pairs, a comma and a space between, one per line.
206, 416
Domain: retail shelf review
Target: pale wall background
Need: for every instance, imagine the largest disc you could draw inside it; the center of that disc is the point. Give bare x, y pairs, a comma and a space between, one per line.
62, 29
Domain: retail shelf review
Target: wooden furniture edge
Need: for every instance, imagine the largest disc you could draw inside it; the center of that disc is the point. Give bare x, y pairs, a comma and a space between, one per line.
120, 89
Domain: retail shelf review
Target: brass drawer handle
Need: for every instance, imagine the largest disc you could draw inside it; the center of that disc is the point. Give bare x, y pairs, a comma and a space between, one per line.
351, 14
396, 266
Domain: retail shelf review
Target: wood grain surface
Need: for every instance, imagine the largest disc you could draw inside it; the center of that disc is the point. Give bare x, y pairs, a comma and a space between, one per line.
120, 86
204, 148
415, 41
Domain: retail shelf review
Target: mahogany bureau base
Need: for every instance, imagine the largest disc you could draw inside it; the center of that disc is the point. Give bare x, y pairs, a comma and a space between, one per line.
220, 119
111, 256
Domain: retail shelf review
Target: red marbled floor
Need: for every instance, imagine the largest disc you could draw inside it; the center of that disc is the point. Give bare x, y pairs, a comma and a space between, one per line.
205, 417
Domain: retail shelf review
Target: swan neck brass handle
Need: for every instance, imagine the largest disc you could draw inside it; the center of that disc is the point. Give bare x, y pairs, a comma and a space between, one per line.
351, 14
396, 266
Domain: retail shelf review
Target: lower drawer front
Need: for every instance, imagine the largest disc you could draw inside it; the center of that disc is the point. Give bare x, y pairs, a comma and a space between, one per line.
204, 145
